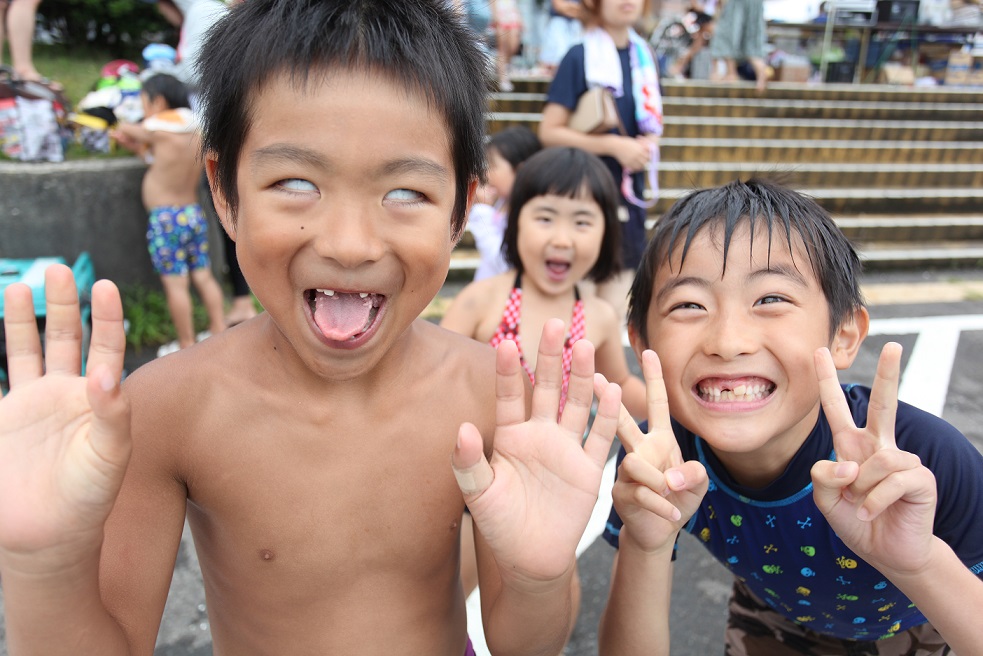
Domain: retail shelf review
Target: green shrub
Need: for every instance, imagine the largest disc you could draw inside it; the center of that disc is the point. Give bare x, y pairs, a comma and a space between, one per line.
121, 26
149, 319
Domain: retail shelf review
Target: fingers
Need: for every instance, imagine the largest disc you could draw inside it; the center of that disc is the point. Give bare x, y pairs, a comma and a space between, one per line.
645, 486
108, 342
549, 372
110, 432
628, 431
471, 469
831, 394
883, 406
510, 388
63, 325
829, 482
656, 398
580, 390
605, 426
24, 362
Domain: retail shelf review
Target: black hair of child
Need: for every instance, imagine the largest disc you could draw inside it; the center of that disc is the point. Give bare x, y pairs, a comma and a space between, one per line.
515, 144
774, 207
172, 90
420, 45
569, 173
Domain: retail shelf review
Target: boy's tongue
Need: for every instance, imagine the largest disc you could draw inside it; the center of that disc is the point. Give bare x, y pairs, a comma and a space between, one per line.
342, 316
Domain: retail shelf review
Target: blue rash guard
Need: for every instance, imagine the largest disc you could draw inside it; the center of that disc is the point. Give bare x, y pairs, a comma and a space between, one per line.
777, 541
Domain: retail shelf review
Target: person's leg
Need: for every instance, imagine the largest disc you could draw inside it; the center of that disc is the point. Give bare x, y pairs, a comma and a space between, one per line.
211, 296
21, 15
3, 25
178, 294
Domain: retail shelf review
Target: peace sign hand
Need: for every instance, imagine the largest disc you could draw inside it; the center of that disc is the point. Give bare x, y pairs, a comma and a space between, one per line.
879, 500
656, 492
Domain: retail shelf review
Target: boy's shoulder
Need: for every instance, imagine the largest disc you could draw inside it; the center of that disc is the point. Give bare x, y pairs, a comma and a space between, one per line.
180, 120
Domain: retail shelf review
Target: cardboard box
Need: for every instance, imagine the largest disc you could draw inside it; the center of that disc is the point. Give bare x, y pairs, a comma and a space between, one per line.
957, 71
894, 73
794, 72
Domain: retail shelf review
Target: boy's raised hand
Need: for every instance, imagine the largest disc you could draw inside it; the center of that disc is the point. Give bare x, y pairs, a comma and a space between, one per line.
655, 492
879, 500
533, 501
64, 439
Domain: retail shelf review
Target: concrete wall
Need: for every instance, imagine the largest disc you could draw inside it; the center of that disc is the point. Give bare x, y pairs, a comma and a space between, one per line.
88, 205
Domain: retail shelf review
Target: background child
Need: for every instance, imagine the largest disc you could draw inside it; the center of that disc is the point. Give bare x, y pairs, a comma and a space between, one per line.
507, 20
177, 230
841, 539
308, 447
506, 150
562, 228
614, 56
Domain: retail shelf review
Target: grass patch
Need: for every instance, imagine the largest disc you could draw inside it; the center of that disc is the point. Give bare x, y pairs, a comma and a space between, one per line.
76, 70
149, 319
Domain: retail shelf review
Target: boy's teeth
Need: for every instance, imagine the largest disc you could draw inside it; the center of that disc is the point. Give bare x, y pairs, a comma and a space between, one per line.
738, 393
363, 295
327, 292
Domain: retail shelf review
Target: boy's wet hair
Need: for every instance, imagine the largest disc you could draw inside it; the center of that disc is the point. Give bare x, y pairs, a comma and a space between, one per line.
420, 45
515, 144
172, 90
567, 172
782, 212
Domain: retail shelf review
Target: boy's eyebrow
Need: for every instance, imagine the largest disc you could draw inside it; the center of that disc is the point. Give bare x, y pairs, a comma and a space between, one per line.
421, 165
675, 283
300, 154
287, 153
783, 270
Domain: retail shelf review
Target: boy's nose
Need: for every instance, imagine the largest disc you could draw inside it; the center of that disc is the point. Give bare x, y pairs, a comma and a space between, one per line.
729, 336
349, 237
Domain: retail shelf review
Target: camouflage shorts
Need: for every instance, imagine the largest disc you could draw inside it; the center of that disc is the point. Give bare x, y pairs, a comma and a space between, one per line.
754, 629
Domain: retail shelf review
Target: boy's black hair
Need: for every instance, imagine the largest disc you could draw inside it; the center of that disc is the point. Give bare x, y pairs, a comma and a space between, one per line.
567, 172
420, 45
774, 208
172, 90
515, 144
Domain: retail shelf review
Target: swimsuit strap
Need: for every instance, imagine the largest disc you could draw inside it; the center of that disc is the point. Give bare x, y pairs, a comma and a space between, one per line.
508, 328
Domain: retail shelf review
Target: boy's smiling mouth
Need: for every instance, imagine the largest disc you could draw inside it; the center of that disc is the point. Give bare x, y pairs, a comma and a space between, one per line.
344, 316
747, 389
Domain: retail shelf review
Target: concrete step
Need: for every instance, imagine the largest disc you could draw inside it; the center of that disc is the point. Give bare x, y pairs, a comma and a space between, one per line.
919, 229
927, 109
873, 93
723, 127
844, 200
808, 174
805, 109
776, 152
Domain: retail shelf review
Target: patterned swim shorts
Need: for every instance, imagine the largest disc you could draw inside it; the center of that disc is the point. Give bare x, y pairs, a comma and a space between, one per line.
753, 629
177, 238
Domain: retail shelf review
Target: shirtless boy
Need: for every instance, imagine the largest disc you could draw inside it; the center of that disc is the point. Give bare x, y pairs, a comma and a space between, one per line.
849, 520
177, 230
315, 447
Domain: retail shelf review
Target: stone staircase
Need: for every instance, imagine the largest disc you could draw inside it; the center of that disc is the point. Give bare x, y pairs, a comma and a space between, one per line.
901, 169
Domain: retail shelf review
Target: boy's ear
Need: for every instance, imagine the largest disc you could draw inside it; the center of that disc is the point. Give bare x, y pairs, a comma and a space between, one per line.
472, 191
848, 338
637, 343
218, 199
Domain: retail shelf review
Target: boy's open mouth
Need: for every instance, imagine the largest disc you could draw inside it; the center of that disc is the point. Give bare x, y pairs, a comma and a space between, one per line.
734, 390
343, 316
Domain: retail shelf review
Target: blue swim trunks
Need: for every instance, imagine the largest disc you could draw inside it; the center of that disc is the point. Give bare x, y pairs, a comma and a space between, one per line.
177, 238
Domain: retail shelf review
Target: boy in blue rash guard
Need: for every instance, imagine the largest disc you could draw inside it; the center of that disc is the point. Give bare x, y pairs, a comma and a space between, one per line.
322, 453
842, 540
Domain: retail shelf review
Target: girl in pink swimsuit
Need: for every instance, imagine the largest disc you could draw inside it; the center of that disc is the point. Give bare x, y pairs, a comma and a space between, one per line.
562, 237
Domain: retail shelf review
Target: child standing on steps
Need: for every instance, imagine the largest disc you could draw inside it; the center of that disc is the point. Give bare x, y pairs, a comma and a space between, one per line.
177, 230
506, 150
